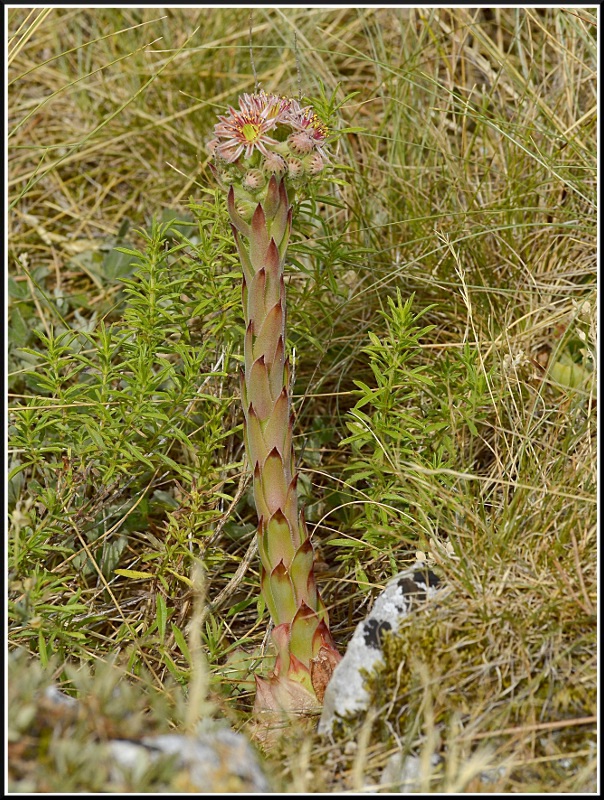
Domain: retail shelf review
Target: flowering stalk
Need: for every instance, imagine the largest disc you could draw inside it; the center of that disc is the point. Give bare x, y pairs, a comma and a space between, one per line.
268, 143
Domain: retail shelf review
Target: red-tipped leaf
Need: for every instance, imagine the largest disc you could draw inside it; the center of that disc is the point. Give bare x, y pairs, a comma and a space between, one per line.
256, 304
283, 695
299, 672
265, 588
275, 285
279, 540
300, 569
280, 636
322, 638
256, 447
248, 352
258, 389
262, 541
243, 390
313, 598
272, 198
283, 198
274, 483
283, 594
279, 226
290, 508
258, 238
246, 264
276, 375
276, 428
285, 239
268, 336
235, 216
262, 508
302, 632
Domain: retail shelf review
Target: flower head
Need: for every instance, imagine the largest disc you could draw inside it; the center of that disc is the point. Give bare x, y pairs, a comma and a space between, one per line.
269, 106
268, 135
240, 132
246, 130
305, 121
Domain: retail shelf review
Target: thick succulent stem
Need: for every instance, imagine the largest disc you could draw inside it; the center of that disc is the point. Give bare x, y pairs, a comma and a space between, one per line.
272, 137
306, 653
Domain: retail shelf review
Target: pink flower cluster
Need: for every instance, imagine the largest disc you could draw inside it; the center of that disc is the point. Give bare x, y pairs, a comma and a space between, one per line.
287, 136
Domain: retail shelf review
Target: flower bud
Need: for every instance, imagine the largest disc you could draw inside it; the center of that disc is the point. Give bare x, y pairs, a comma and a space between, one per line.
295, 167
254, 179
300, 143
246, 208
313, 163
274, 164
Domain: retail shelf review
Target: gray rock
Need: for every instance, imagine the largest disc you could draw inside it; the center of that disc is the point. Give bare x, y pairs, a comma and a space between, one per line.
55, 696
412, 774
217, 760
346, 694
403, 775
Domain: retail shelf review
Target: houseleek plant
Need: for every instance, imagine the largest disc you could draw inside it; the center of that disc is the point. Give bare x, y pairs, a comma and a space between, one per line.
263, 152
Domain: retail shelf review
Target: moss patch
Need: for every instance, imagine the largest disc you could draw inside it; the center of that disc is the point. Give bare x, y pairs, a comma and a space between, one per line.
492, 667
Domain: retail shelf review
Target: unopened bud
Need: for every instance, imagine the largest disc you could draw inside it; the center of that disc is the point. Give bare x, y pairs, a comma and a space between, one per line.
295, 167
246, 208
300, 143
274, 164
254, 179
314, 163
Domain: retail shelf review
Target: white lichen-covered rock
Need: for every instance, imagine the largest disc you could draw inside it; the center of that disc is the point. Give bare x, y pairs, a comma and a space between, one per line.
346, 694
214, 761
